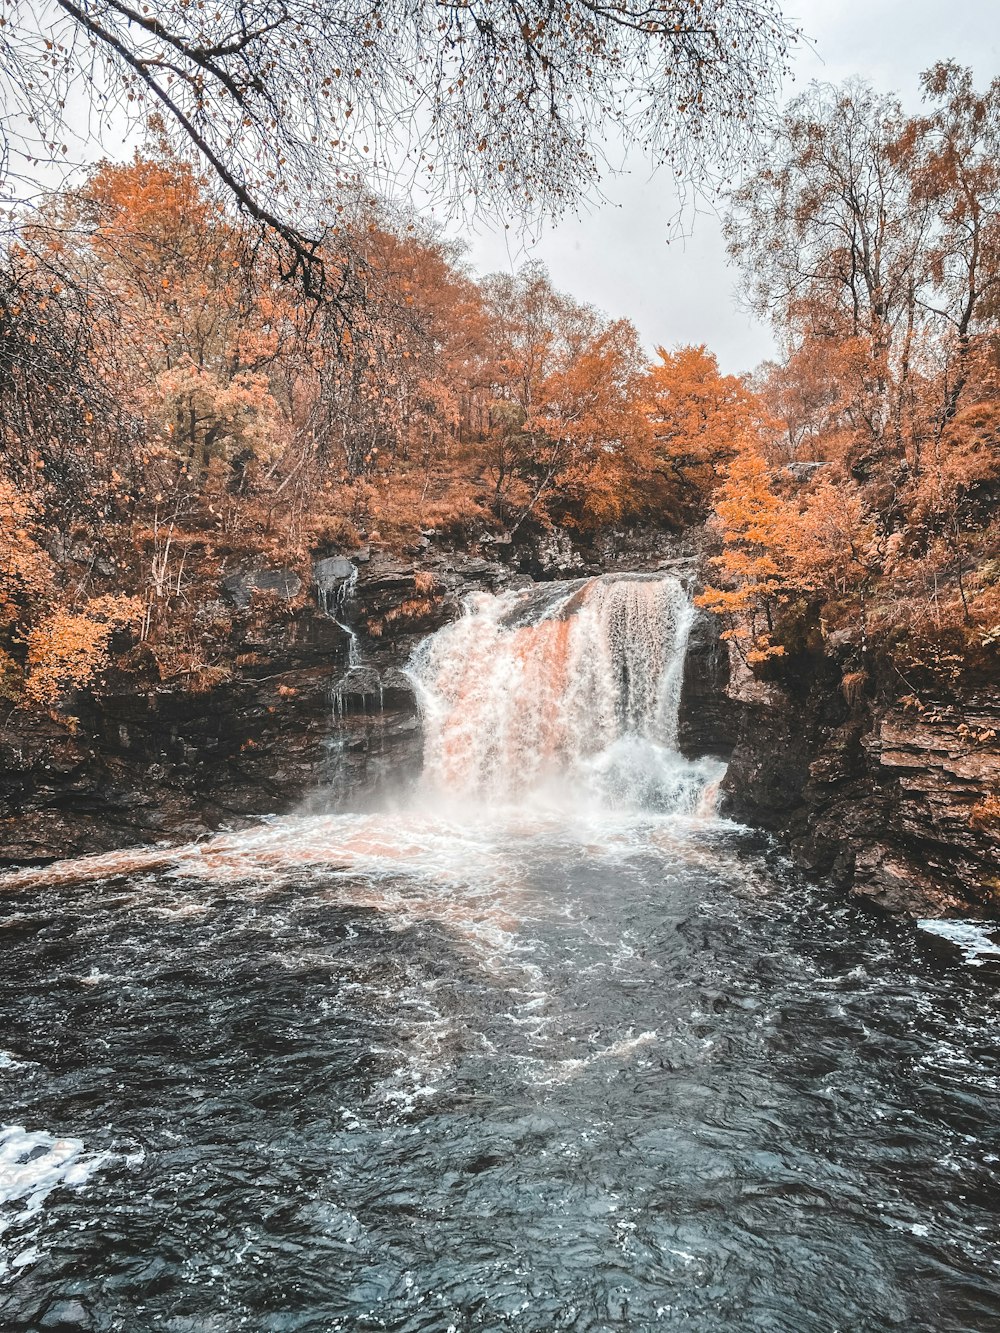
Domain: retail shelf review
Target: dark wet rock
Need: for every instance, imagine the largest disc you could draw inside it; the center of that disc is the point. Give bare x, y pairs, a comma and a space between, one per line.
934, 776
332, 571
147, 763
644, 550
709, 719
805, 471
239, 587
551, 554
64, 1316
476, 569
875, 798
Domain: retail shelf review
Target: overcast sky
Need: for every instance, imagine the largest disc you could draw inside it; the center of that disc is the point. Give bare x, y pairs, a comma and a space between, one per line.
617, 257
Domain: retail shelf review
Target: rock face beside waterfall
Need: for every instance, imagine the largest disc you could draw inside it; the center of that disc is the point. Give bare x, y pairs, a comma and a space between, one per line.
144, 764
891, 805
138, 766
894, 806
710, 718
295, 725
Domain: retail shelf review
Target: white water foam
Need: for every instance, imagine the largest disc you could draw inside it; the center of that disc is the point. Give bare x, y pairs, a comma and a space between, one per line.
551, 724
32, 1165
564, 693
977, 942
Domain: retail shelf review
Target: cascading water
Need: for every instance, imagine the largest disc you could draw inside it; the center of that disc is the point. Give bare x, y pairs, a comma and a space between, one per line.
563, 689
334, 599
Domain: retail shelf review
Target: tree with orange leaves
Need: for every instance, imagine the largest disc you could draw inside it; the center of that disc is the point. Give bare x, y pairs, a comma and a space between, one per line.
754, 566
68, 649
590, 428
190, 311
699, 418
25, 576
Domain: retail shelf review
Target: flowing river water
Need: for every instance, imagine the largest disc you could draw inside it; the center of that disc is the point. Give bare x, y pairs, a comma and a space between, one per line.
547, 1046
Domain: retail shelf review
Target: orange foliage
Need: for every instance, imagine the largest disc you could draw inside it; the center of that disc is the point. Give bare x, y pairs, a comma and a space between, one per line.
590, 414
66, 649
873, 241
699, 418
25, 569
753, 563
176, 405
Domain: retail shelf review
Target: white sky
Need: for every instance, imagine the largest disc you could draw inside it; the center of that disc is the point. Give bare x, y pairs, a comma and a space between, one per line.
618, 258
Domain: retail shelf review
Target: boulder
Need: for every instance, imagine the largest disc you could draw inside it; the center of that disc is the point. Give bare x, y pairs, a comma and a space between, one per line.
331, 572
239, 587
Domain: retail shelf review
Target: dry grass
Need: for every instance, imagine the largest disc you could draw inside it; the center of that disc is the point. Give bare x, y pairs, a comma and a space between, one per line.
853, 687
414, 608
986, 815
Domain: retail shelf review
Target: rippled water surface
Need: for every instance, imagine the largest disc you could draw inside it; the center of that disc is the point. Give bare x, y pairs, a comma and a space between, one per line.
537, 1073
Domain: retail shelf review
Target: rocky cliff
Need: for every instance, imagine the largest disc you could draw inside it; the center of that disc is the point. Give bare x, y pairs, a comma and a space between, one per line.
896, 805
900, 807
137, 765
317, 711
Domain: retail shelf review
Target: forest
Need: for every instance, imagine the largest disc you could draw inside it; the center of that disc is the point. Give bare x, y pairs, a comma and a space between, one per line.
174, 399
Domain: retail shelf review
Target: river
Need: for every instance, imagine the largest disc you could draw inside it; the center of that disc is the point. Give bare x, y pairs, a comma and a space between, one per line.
549, 1045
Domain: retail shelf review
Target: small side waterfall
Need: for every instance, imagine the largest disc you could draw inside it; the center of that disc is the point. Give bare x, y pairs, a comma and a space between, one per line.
334, 594
336, 583
566, 689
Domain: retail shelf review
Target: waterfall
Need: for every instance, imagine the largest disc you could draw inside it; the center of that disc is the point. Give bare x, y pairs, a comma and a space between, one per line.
334, 596
566, 689
336, 583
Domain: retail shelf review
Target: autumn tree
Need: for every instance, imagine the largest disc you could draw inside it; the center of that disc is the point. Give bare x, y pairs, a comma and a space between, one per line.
807, 394
753, 567
567, 424
531, 329
870, 239
201, 327
590, 429
792, 555
67, 649
395, 389
952, 502
835, 251
46, 649
25, 577
958, 178
62, 423
698, 418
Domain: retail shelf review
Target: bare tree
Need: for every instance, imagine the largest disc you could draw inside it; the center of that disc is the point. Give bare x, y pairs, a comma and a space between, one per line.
57, 413
959, 179
504, 104
829, 236
871, 240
